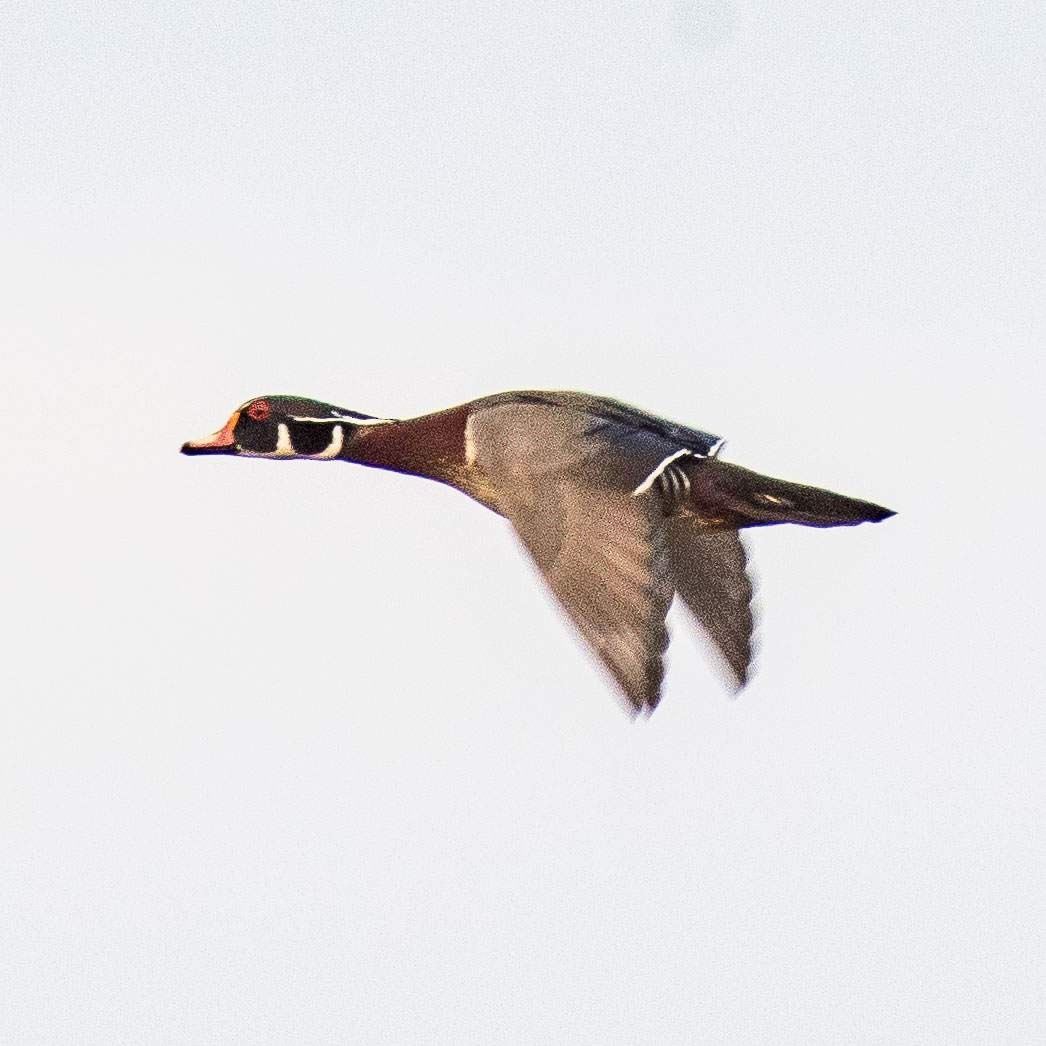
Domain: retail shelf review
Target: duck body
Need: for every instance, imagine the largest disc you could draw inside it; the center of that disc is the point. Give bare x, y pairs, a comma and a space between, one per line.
619, 509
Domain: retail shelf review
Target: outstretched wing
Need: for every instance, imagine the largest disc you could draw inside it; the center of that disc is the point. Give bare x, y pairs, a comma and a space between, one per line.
565, 482
708, 571
604, 558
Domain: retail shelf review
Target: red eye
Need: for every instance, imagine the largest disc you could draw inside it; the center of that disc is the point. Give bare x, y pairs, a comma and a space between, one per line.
259, 410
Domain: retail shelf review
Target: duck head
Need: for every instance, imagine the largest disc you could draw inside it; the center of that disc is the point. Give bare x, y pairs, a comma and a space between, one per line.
285, 427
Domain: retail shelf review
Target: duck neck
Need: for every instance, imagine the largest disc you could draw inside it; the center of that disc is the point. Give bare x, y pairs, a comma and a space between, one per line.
432, 445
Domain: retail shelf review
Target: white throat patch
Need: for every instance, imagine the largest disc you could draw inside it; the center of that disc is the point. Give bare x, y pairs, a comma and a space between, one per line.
285, 449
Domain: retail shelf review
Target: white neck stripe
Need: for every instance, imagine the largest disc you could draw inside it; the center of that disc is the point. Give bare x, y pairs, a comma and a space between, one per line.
336, 443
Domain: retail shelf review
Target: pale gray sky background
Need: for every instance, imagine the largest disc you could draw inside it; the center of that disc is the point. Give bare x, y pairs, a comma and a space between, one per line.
302, 753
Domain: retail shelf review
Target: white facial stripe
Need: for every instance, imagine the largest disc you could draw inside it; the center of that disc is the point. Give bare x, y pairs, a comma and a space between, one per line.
336, 443
284, 448
345, 417
649, 481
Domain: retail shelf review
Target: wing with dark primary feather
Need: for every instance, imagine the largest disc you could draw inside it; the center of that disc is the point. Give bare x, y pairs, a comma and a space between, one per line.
708, 570
565, 479
604, 557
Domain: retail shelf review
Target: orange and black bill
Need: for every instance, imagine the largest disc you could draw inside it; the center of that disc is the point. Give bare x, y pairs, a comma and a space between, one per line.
220, 442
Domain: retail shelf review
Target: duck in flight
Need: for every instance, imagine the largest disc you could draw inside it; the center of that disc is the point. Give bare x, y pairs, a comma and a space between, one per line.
619, 509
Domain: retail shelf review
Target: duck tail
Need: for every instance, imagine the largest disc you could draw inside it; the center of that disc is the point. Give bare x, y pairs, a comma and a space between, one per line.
755, 500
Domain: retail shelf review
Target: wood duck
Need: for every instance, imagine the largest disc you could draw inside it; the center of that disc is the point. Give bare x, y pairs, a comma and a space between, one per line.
619, 509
